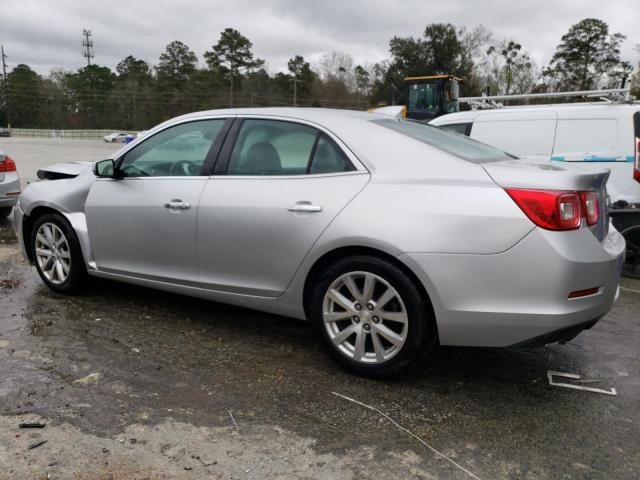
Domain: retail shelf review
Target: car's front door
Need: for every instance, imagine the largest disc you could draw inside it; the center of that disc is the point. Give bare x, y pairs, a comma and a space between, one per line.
283, 183
143, 223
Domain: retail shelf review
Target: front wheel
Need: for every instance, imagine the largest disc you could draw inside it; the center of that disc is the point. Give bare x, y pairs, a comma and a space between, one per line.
57, 254
372, 318
5, 211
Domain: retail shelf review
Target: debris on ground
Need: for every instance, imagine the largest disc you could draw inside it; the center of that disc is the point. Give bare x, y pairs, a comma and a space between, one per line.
578, 379
91, 378
9, 284
235, 424
32, 425
437, 452
37, 444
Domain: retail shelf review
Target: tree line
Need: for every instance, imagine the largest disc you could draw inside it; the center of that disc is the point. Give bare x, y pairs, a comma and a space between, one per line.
138, 95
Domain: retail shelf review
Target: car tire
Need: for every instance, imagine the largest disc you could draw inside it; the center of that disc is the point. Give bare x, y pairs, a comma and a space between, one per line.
62, 267
628, 224
369, 338
631, 267
5, 211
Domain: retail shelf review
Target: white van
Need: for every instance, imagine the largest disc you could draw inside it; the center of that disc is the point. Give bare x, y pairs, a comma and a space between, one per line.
603, 133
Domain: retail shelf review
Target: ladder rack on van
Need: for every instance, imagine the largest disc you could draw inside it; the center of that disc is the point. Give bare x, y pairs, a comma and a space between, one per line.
612, 95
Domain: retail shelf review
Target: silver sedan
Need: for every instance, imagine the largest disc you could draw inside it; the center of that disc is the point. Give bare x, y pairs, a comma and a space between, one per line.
9, 184
390, 236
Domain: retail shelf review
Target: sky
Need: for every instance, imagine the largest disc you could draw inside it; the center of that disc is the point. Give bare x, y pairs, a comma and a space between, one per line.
47, 34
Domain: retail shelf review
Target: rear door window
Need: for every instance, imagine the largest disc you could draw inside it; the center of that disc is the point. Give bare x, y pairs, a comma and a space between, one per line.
276, 147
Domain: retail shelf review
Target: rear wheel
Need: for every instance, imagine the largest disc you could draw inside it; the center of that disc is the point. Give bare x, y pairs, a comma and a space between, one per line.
628, 224
5, 211
57, 254
372, 318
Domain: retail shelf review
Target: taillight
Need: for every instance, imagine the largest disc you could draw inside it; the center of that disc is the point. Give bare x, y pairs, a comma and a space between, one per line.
557, 210
549, 209
636, 165
591, 207
7, 165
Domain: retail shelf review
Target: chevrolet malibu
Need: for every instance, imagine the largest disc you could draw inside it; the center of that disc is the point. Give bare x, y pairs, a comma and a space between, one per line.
390, 236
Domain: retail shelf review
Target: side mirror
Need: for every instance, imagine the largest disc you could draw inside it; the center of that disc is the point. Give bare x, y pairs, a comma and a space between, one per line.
104, 169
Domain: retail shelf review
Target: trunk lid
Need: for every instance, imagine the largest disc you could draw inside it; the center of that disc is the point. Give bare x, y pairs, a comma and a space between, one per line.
527, 174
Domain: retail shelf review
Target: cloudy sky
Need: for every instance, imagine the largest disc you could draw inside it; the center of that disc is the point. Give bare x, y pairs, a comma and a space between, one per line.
46, 34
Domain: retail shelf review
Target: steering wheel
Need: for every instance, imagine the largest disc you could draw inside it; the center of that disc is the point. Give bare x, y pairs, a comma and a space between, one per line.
183, 168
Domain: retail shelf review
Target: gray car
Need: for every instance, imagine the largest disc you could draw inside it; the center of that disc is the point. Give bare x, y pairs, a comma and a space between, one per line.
389, 236
9, 184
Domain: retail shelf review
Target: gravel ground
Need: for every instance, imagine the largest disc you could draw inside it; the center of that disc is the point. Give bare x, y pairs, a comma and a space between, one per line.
137, 384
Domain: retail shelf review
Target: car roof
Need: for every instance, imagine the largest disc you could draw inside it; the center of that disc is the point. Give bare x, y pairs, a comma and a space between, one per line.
319, 115
594, 108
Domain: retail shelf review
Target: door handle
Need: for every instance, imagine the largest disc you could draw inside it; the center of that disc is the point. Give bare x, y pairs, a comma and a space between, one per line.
177, 205
305, 207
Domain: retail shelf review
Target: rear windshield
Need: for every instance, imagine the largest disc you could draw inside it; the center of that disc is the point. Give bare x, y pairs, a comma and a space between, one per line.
444, 140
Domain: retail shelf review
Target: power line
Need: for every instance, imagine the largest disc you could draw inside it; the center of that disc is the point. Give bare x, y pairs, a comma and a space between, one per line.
87, 45
6, 85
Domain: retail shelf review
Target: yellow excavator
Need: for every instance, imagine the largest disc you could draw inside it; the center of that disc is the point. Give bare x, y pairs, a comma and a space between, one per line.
427, 97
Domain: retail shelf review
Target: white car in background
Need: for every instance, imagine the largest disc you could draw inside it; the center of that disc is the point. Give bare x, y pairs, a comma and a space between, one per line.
9, 185
118, 137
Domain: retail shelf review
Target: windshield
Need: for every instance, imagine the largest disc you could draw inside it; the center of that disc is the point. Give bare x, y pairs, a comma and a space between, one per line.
423, 96
450, 142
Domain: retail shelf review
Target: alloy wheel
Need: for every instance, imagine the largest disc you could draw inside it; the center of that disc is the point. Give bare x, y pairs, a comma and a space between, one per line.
53, 253
365, 317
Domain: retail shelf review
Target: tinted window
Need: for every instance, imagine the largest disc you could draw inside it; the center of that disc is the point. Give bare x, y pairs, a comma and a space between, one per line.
269, 147
273, 147
328, 158
460, 128
176, 151
449, 142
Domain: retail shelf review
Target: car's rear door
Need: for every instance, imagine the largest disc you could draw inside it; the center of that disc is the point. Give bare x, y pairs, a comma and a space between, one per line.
278, 185
144, 223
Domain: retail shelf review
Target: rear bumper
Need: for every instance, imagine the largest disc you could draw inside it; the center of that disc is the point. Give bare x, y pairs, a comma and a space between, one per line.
8, 201
9, 189
521, 295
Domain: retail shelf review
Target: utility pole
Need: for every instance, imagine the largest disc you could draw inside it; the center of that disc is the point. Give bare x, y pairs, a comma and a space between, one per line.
295, 88
6, 85
87, 45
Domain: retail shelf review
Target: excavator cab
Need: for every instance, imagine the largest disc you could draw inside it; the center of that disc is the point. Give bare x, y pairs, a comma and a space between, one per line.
428, 97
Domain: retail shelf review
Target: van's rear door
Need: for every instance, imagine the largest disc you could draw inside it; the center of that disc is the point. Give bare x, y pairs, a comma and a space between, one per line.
527, 134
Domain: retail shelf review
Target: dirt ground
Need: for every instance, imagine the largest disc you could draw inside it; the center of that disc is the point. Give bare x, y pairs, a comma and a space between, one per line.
137, 384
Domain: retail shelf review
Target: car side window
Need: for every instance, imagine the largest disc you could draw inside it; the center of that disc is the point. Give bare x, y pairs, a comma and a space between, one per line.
272, 147
178, 151
328, 158
461, 128
276, 147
